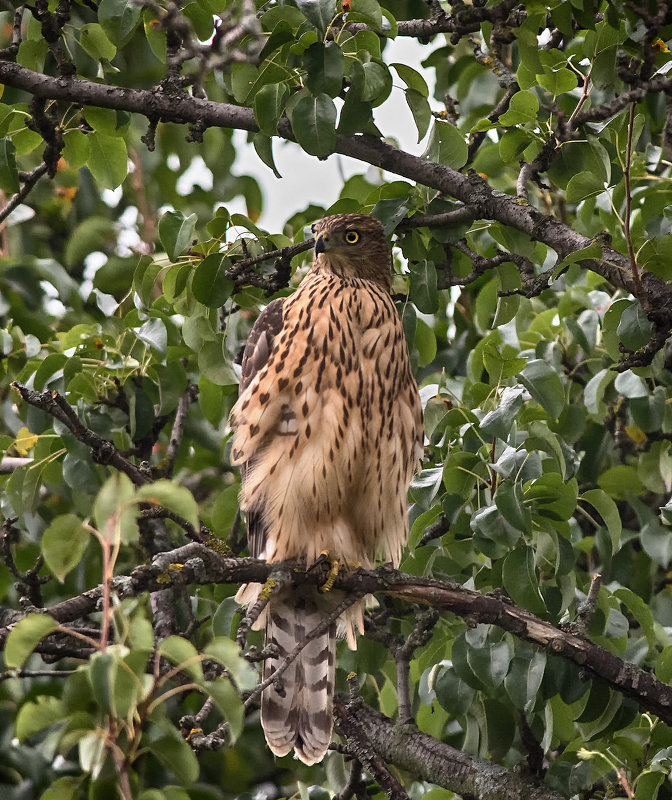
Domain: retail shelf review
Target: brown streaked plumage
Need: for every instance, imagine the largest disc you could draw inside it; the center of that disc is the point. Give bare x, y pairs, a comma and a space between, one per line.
328, 432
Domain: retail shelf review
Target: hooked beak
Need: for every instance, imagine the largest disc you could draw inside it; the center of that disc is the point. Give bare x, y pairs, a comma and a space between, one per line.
321, 243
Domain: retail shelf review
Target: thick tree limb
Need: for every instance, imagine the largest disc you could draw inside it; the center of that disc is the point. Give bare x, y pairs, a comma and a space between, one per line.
654, 294
428, 759
195, 564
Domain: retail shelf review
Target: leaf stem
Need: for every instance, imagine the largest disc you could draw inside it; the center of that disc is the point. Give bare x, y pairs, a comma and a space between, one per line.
628, 203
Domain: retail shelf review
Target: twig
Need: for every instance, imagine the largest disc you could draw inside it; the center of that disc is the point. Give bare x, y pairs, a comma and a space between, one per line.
188, 396
203, 535
463, 214
419, 636
10, 463
355, 785
29, 181
28, 582
36, 673
324, 626
102, 450
9, 53
277, 580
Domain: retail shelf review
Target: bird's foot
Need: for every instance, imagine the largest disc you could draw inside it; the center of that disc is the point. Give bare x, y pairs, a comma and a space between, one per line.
334, 566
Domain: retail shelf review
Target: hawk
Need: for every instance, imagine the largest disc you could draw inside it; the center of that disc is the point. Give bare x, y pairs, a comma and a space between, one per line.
328, 432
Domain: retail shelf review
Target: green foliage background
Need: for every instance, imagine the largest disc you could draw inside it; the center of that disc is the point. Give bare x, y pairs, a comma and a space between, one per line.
544, 463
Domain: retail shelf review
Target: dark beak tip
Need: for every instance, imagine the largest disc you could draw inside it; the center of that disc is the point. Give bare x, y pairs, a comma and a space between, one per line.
319, 246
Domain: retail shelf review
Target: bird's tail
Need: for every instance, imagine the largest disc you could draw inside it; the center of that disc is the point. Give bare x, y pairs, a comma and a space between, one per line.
297, 710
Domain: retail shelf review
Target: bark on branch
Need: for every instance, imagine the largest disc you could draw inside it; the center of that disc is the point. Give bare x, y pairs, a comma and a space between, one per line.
196, 564
428, 759
655, 295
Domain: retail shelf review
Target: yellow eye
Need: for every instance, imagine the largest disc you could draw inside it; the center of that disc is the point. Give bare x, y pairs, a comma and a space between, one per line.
352, 237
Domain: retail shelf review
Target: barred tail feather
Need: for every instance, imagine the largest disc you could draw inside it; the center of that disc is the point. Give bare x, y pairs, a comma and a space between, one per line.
300, 715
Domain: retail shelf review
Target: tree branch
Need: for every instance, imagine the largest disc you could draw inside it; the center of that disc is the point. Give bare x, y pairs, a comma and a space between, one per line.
196, 564
654, 294
103, 451
431, 760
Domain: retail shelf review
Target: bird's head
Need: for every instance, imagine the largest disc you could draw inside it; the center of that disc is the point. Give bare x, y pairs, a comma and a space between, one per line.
352, 246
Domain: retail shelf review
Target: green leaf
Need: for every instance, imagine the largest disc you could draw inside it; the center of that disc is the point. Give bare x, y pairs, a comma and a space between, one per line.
425, 343
499, 421
608, 510
263, 146
453, 693
101, 119
36, 715
545, 386
595, 388
523, 108
25, 636
656, 542
210, 284
9, 173
76, 150
493, 535
510, 502
554, 498
446, 145
648, 784
422, 113
520, 580
558, 81
423, 283
368, 11
634, 328
664, 665
314, 124
176, 232
523, 680
621, 480
269, 103
184, 655
491, 662
115, 277
318, 12
421, 523
172, 380
216, 365
172, 496
325, 65
583, 185
63, 544
371, 80
154, 334
113, 510
93, 39
176, 755
411, 78
641, 612
119, 19
229, 704
108, 159
155, 34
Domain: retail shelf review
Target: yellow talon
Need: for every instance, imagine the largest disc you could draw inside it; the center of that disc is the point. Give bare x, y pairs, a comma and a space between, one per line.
333, 571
